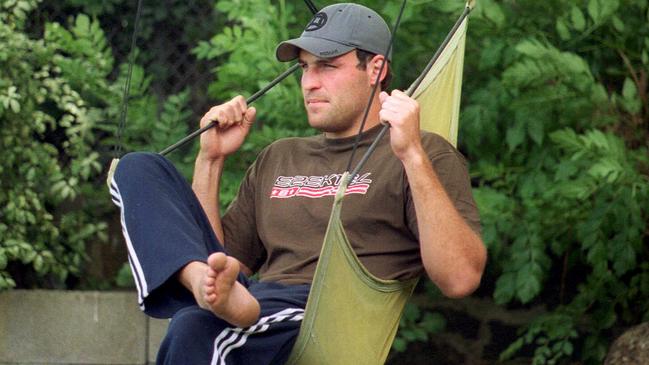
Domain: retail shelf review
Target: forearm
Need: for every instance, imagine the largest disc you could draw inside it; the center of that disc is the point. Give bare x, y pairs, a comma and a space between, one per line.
452, 253
206, 185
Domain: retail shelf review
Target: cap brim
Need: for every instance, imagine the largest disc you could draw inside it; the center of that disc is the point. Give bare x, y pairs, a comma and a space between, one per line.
290, 50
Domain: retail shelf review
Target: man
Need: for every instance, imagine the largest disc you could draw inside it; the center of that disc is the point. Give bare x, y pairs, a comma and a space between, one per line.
409, 210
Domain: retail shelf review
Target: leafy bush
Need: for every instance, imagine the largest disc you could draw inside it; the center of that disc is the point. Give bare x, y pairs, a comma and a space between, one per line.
47, 143
565, 198
58, 110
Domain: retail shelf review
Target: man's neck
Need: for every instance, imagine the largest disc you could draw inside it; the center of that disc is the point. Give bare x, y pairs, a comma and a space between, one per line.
369, 124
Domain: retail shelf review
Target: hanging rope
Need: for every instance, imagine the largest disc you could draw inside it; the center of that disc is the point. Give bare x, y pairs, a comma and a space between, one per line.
117, 150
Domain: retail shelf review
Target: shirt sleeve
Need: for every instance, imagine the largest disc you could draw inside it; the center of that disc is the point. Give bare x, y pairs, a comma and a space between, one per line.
451, 169
239, 225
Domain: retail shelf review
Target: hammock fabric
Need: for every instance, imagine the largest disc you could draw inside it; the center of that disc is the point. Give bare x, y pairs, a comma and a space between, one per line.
351, 316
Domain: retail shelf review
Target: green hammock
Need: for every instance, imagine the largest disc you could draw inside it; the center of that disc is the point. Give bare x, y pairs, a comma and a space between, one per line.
351, 316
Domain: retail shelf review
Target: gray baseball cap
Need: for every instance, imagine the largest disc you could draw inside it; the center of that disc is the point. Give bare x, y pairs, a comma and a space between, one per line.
338, 29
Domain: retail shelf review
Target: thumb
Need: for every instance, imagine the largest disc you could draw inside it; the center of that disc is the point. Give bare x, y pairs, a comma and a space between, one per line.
382, 96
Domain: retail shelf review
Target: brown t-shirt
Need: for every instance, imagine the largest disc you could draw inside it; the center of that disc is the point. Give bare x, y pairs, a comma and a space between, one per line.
277, 222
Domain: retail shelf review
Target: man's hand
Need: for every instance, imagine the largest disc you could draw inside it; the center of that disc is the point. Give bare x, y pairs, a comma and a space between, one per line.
234, 120
401, 112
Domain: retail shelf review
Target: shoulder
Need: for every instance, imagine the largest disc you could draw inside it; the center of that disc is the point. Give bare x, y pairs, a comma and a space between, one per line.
437, 147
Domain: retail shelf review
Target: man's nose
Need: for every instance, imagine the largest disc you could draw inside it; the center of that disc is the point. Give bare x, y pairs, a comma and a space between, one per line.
310, 80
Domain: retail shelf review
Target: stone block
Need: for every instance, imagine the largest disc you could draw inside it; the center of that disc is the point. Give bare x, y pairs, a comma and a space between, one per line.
71, 327
157, 331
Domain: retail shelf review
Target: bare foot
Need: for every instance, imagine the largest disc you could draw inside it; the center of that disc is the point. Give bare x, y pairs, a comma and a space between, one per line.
224, 295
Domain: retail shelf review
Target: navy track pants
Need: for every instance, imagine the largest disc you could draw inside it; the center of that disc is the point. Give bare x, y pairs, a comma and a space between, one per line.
165, 228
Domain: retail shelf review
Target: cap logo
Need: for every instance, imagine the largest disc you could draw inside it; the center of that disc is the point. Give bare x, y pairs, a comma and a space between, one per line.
329, 53
319, 20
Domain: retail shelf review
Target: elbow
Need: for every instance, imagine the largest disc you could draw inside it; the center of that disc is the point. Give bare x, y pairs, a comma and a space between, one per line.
462, 286
463, 280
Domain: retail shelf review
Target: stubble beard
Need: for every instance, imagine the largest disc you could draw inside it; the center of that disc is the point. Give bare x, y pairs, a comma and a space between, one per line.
334, 119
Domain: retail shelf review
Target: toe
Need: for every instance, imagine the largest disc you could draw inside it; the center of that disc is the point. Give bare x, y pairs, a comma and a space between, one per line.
231, 269
217, 261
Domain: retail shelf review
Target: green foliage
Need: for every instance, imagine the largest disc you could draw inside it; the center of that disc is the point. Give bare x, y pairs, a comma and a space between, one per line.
152, 124
250, 47
56, 105
117, 17
124, 277
552, 337
47, 142
564, 200
417, 325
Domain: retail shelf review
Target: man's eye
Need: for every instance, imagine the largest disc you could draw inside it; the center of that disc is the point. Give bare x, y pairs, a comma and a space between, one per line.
329, 65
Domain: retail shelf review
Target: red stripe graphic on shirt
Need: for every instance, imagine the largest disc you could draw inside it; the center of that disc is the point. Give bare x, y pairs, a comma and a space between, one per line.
317, 186
283, 193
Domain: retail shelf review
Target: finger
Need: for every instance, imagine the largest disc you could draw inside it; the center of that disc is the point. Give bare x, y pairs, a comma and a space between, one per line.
237, 109
385, 116
402, 97
383, 96
408, 101
399, 94
250, 116
209, 117
398, 99
392, 104
229, 115
406, 106
222, 117
241, 103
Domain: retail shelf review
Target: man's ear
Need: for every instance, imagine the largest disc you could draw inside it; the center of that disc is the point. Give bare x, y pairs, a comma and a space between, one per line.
374, 66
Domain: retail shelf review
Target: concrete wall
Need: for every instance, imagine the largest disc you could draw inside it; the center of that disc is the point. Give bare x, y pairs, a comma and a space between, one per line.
74, 327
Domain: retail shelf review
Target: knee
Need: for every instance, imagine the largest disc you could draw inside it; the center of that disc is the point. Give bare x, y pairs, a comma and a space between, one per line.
139, 164
137, 160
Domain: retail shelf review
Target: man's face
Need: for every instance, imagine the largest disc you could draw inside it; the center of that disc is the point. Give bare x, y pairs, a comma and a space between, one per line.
335, 92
